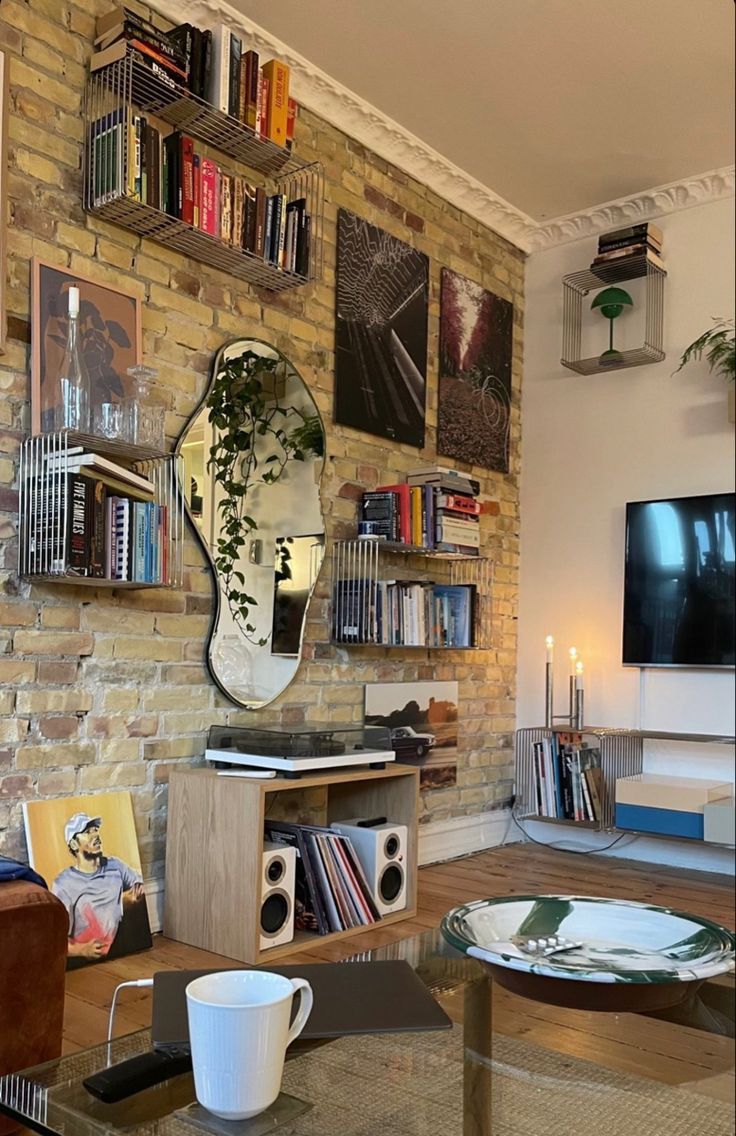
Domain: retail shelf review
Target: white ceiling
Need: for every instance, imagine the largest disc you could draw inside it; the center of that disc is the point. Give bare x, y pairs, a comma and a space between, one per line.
555, 105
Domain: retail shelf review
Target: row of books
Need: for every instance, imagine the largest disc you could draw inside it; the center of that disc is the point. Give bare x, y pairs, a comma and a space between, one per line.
213, 66
568, 781
435, 509
93, 517
331, 891
404, 613
623, 245
131, 157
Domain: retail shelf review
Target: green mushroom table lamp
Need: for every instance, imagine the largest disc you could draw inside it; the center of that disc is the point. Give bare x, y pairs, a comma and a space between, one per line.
611, 303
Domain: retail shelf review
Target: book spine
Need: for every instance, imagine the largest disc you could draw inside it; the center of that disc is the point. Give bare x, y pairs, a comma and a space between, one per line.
260, 230
280, 236
197, 186
262, 128
236, 233
228, 207
458, 503
208, 176
98, 495
242, 89
268, 228
291, 116
187, 179
249, 217
252, 70
80, 523
277, 75
221, 71
627, 242
233, 93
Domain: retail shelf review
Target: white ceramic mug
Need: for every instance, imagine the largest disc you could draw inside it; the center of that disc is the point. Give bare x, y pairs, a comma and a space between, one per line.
239, 1032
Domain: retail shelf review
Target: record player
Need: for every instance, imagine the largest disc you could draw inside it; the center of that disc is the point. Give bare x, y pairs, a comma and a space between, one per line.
301, 749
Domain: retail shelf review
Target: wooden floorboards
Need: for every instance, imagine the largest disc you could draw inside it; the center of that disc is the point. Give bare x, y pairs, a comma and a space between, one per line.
512, 870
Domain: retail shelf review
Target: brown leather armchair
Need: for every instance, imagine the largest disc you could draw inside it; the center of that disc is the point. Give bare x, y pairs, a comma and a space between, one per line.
33, 948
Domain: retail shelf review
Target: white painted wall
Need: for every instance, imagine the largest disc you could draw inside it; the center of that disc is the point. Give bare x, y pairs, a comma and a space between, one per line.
590, 444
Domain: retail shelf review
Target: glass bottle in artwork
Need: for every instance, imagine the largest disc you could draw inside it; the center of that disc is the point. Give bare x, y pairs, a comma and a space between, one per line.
72, 410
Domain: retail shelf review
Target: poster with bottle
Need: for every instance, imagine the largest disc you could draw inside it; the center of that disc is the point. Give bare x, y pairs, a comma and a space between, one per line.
108, 339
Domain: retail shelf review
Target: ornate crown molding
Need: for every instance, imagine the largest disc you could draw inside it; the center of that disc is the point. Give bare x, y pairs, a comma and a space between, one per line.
391, 141
655, 202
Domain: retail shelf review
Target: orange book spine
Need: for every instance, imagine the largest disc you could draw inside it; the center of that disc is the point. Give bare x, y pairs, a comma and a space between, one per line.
277, 76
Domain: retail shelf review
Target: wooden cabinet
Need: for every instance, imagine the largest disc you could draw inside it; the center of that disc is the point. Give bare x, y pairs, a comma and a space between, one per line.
214, 848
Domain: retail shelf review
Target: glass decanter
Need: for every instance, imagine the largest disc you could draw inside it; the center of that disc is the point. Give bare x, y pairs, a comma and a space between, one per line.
144, 421
72, 410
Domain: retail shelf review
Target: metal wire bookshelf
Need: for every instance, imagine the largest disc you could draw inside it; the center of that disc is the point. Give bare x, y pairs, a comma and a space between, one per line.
576, 287
121, 90
45, 507
360, 567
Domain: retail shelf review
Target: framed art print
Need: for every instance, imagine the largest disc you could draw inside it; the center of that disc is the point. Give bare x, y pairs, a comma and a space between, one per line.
4, 100
422, 717
381, 332
109, 330
474, 411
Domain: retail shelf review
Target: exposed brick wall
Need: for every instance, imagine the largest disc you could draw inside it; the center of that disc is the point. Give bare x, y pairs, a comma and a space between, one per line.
103, 689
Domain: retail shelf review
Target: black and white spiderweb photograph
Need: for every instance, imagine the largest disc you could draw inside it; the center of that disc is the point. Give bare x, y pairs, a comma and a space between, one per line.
381, 332
475, 373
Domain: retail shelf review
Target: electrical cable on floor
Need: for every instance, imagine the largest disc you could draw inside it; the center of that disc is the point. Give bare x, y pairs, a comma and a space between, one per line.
554, 845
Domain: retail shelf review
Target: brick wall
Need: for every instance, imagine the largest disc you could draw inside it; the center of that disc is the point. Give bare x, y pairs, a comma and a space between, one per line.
103, 689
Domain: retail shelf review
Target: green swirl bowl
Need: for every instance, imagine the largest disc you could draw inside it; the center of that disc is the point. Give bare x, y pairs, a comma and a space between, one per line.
633, 957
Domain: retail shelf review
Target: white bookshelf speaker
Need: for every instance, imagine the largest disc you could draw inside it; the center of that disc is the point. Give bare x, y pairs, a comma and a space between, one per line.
381, 850
277, 895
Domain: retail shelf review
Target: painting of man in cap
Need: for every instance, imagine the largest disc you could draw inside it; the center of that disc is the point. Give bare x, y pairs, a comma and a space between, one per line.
102, 893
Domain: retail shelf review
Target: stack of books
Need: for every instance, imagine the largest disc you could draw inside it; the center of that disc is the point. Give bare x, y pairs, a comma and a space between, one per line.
330, 884
213, 66
93, 517
568, 781
618, 249
437, 509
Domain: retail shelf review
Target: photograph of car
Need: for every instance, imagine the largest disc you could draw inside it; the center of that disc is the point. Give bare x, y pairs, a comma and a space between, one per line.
407, 742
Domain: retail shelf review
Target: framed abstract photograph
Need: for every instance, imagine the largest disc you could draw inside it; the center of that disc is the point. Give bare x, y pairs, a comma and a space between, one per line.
109, 330
474, 411
86, 849
422, 717
381, 332
4, 102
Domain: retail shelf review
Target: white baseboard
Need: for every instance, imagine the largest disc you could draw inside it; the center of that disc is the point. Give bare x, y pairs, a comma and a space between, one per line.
447, 839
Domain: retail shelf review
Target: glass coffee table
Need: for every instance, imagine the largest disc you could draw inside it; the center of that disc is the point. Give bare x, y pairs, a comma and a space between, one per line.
508, 1067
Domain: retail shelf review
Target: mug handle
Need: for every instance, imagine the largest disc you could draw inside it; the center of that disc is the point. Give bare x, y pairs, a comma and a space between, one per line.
306, 1000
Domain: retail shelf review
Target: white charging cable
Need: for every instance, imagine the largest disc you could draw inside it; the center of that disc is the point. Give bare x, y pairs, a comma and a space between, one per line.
137, 982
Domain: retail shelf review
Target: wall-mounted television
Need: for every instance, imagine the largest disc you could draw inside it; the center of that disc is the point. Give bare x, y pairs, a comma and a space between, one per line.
679, 580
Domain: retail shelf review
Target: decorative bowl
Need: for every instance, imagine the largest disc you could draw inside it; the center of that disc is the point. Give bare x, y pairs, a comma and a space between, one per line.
633, 957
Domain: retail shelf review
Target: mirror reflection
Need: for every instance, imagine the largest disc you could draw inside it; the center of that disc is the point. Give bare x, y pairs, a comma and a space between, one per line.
252, 458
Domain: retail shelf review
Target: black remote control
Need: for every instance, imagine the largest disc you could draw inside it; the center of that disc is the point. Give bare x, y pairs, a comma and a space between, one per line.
137, 1073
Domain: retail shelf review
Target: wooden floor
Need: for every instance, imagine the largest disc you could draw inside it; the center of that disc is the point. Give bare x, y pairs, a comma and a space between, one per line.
515, 869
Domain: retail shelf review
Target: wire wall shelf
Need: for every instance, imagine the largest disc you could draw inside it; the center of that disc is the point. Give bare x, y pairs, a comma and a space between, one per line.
60, 533
396, 596
576, 287
122, 90
622, 755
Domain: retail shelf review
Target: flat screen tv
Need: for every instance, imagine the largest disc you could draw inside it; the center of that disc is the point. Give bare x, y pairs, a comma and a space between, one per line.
679, 582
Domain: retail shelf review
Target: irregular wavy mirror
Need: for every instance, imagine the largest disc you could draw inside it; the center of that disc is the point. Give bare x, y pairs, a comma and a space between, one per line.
252, 460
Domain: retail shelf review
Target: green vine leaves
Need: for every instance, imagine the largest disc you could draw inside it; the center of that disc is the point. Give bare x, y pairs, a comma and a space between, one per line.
255, 437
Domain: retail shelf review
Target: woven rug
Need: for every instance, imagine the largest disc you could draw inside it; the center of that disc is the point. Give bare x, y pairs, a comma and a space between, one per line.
412, 1085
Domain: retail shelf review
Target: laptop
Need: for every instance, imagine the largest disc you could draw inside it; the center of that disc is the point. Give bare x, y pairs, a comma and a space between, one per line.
349, 998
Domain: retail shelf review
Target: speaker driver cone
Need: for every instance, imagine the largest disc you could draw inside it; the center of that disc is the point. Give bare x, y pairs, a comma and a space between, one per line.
274, 913
392, 881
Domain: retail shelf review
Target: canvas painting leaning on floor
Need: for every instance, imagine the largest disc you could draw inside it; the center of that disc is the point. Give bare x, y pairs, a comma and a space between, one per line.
86, 849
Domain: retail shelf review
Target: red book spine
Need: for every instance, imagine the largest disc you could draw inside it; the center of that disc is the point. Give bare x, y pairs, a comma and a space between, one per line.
262, 110
404, 494
208, 222
187, 179
291, 122
197, 171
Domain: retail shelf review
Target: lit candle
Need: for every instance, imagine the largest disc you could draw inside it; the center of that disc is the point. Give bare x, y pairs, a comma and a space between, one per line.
579, 674
550, 648
573, 659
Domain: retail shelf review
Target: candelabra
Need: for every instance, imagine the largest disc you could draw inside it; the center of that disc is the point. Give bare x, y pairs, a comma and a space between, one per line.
574, 716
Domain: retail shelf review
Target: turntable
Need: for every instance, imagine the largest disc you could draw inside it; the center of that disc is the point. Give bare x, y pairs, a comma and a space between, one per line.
302, 749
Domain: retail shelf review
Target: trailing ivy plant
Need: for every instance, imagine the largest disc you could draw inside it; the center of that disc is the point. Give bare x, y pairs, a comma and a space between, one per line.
246, 414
